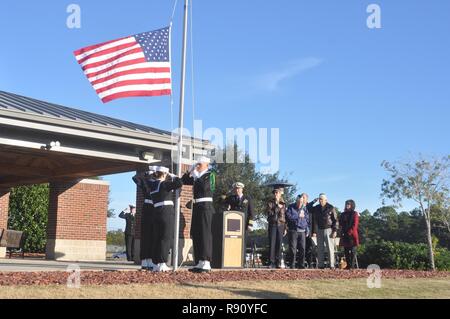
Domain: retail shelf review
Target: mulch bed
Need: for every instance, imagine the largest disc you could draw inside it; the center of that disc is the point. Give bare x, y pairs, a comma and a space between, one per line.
143, 277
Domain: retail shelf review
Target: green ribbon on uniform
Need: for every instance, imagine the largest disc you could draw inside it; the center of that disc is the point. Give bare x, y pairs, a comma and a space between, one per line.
212, 181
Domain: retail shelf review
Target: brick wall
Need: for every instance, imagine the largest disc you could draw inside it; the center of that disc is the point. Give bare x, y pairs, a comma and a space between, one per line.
78, 210
4, 207
139, 204
186, 214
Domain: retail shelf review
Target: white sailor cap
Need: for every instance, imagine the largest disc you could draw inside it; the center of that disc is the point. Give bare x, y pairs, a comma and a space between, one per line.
151, 168
238, 185
161, 169
203, 159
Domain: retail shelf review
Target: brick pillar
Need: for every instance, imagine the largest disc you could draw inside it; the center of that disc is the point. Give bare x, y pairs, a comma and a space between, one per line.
77, 217
137, 229
185, 243
4, 208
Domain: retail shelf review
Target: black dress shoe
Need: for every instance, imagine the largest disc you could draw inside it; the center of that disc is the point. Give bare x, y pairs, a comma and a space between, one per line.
200, 270
195, 269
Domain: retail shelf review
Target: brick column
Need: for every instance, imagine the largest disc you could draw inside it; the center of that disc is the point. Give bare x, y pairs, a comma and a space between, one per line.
4, 208
137, 229
185, 243
77, 217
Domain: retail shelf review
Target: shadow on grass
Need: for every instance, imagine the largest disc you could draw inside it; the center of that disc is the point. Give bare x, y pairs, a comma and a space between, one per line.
260, 294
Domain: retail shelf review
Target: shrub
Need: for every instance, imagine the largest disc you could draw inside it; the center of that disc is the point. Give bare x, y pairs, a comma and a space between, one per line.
399, 255
442, 258
28, 212
115, 237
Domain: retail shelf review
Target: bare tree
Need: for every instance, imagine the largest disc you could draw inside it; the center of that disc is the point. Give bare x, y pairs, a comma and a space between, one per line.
425, 181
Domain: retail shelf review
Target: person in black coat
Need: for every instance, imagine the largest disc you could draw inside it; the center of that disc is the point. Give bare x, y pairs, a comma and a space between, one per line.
242, 203
129, 215
324, 228
162, 194
202, 212
142, 180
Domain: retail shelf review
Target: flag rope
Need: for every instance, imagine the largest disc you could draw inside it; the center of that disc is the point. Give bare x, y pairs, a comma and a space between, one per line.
173, 11
192, 68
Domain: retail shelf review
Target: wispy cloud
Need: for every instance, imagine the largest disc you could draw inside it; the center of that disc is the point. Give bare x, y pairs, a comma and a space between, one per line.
271, 81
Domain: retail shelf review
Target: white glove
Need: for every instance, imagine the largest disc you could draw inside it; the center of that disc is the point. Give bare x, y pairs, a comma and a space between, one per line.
192, 169
195, 174
250, 228
172, 175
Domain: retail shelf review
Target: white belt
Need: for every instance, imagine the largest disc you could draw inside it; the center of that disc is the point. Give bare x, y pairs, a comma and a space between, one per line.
148, 201
202, 200
165, 203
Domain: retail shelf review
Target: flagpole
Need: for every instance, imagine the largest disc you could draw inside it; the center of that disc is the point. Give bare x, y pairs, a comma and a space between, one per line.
180, 140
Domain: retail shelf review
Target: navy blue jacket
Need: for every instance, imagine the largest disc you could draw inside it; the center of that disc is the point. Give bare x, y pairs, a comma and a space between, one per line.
294, 221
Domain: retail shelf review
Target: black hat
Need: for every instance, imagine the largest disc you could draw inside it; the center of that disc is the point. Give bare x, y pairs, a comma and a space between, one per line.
279, 185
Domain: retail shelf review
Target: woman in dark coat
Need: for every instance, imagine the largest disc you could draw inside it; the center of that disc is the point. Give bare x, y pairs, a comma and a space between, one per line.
142, 181
276, 218
349, 221
162, 193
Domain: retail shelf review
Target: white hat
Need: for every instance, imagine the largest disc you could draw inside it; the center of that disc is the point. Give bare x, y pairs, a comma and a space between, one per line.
161, 169
238, 185
203, 159
151, 168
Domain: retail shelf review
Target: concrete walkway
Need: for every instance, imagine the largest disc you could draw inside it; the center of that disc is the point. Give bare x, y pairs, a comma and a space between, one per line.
30, 264
34, 264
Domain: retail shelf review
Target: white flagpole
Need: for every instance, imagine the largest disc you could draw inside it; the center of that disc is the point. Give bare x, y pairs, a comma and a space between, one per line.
180, 141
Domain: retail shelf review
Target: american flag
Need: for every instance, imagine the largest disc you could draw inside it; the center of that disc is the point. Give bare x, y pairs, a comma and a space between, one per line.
137, 65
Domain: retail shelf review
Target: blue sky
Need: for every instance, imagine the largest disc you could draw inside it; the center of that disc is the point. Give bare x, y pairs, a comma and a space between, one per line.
344, 96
